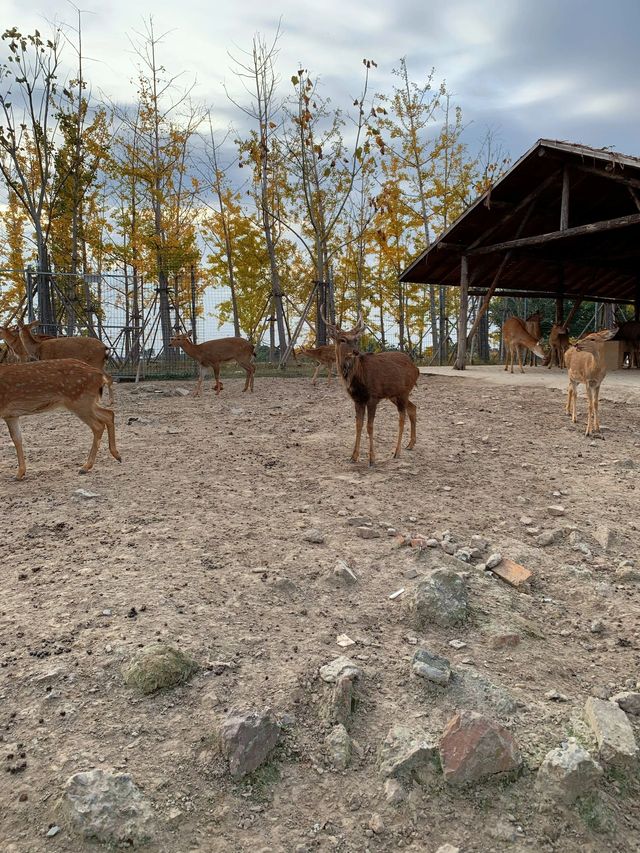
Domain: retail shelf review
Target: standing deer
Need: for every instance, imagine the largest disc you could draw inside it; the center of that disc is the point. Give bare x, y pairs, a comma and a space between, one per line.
586, 365
533, 325
516, 337
15, 345
324, 356
39, 386
90, 350
372, 377
211, 354
558, 344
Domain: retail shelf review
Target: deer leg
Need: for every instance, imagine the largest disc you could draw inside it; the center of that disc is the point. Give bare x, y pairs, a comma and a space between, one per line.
411, 410
107, 418
520, 359
315, 375
330, 376
216, 373
16, 437
590, 409
567, 408
402, 415
371, 414
359, 422
249, 369
97, 428
197, 391
506, 361
596, 406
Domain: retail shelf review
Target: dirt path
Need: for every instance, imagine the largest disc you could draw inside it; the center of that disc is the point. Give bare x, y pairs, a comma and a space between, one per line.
211, 490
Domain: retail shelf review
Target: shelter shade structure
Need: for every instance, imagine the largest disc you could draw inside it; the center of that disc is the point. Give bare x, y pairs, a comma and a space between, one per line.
562, 223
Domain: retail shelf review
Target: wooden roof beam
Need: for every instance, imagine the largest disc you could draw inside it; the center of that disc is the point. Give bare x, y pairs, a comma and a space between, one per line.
609, 176
550, 237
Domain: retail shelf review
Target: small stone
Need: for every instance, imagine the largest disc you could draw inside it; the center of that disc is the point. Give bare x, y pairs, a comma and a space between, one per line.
627, 574
410, 574
479, 542
367, 533
432, 543
474, 748
493, 561
457, 644
359, 521
463, 554
567, 773
85, 495
448, 547
407, 754
344, 641
616, 742
394, 792
549, 537
396, 594
53, 831
597, 626
339, 667
106, 612
447, 848
432, 667
338, 745
376, 824
554, 696
314, 536
526, 520
439, 598
246, 739
556, 509
344, 573
629, 702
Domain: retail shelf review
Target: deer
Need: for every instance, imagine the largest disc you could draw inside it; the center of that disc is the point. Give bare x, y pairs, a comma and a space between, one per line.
372, 377
211, 354
533, 325
516, 337
585, 363
558, 344
11, 337
90, 350
40, 386
324, 355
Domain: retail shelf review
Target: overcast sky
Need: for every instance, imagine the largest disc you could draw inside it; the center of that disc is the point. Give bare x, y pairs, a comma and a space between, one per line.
565, 69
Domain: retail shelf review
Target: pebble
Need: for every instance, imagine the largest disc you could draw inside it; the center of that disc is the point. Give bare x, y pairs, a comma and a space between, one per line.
53, 831
556, 509
367, 533
314, 536
554, 696
376, 824
457, 644
493, 561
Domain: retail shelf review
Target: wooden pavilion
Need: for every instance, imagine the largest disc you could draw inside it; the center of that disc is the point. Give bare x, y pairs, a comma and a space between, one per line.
562, 223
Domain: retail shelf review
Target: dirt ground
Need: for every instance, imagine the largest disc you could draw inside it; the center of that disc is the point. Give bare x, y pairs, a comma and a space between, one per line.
211, 490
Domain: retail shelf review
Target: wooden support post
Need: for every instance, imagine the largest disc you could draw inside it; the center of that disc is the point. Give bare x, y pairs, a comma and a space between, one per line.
559, 309
462, 317
636, 307
564, 205
572, 313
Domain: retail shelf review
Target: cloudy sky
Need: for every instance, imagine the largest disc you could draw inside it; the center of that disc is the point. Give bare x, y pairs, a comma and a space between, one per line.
565, 69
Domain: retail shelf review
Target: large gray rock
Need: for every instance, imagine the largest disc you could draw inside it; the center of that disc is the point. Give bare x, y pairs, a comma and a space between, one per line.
432, 667
629, 701
338, 745
440, 599
616, 742
246, 740
407, 754
339, 667
567, 773
474, 748
108, 807
158, 666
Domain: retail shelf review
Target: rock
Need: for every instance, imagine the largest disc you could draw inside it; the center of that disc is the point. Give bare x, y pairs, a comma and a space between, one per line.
108, 807
616, 742
567, 773
246, 740
367, 533
609, 539
597, 626
432, 667
53, 831
493, 561
627, 574
503, 641
463, 554
394, 792
479, 542
629, 702
549, 537
448, 547
475, 689
556, 509
474, 748
314, 536
554, 696
457, 644
338, 744
158, 666
440, 598
432, 543
376, 824
344, 573
85, 495
340, 666
359, 521
406, 754
181, 392
448, 848
344, 641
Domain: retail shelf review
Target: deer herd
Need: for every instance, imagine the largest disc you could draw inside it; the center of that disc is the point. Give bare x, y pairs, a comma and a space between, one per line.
69, 372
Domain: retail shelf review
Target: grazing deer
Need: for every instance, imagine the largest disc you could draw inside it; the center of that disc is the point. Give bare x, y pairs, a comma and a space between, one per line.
15, 345
533, 325
516, 338
90, 350
39, 386
324, 356
372, 377
558, 344
214, 353
586, 365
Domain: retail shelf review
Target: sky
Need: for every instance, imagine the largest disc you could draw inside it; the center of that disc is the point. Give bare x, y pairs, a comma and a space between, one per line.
564, 69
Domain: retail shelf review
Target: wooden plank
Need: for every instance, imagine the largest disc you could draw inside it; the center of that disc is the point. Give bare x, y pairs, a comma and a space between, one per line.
462, 317
512, 573
564, 204
609, 176
551, 236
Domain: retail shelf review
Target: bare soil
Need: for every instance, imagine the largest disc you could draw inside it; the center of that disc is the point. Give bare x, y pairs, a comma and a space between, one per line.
197, 539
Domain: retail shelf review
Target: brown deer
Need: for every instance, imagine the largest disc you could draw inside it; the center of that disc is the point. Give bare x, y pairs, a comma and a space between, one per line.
586, 365
372, 377
558, 345
516, 338
211, 354
11, 337
324, 356
533, 325
90, 350
39, 386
